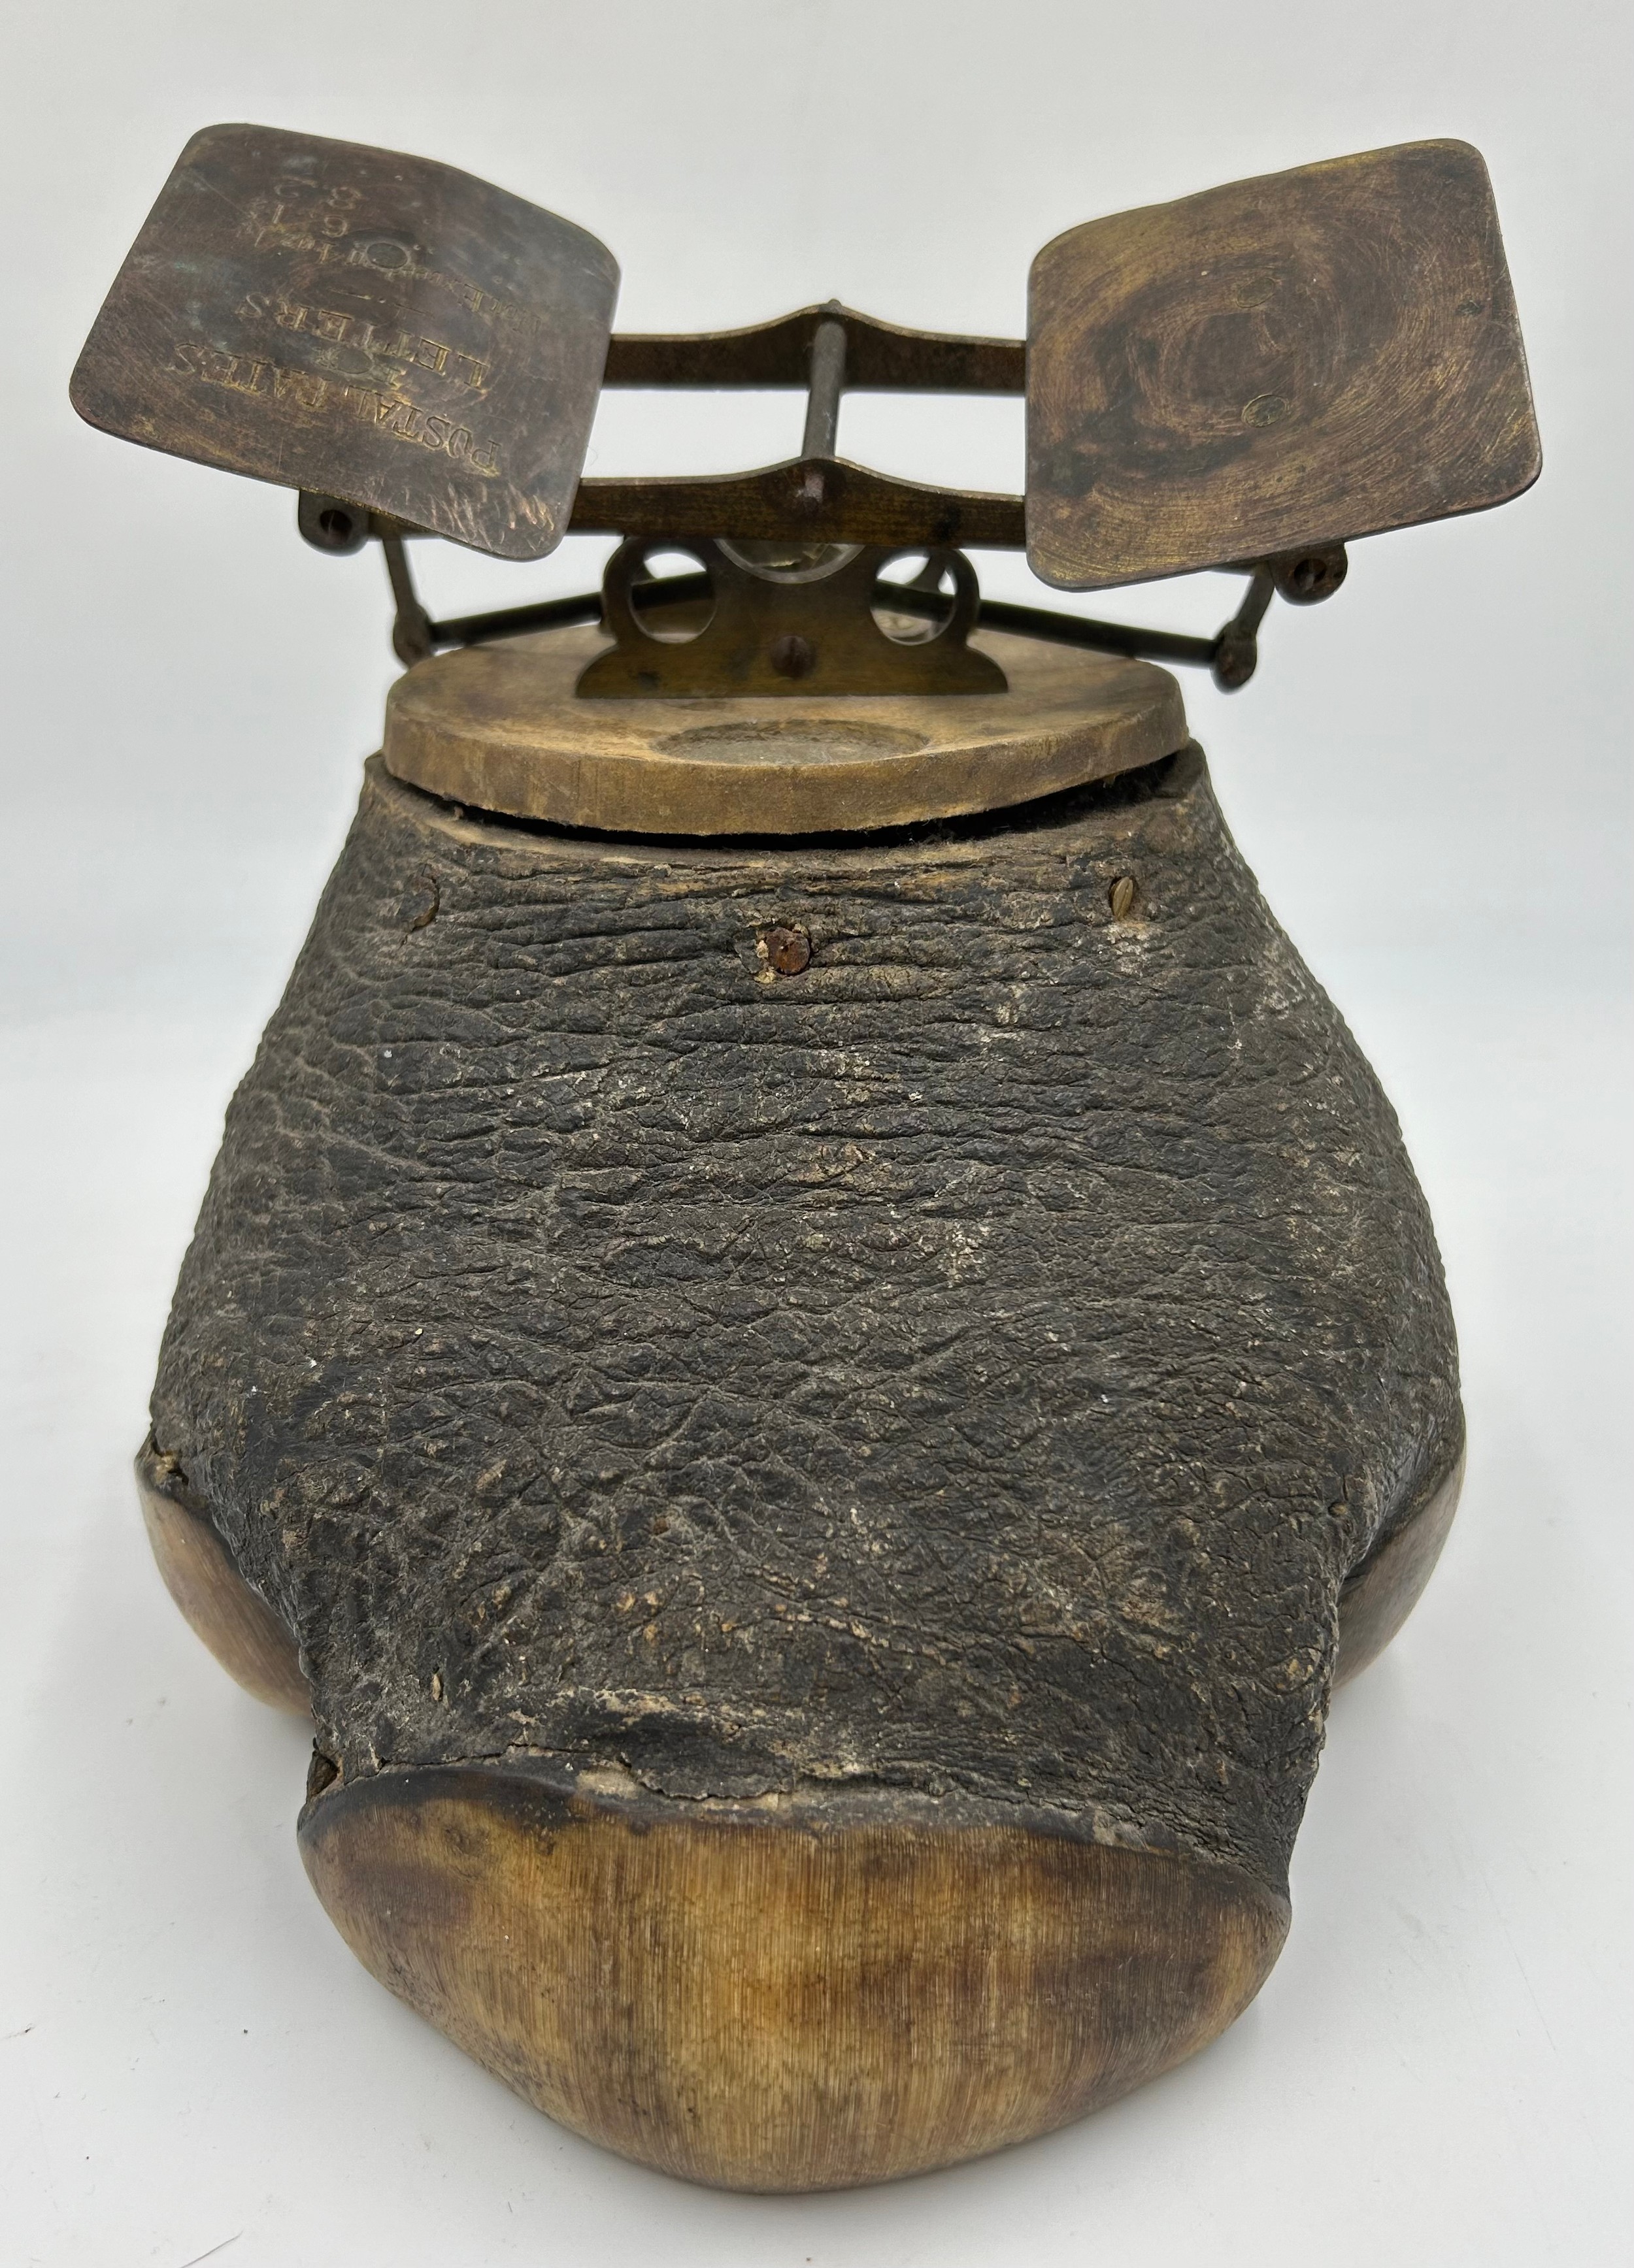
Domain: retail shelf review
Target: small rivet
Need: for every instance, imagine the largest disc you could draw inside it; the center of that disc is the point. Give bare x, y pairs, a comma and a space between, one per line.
786, 949
1120, 897
421, 898
793, 656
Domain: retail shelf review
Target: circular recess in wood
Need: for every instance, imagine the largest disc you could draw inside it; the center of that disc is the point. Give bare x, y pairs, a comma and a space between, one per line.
498, 728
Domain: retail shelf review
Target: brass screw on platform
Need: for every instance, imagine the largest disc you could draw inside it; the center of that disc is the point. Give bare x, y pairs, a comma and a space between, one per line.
1120, 897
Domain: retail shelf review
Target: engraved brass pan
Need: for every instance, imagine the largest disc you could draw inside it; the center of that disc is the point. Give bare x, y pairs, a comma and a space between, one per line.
388, 330
1273, 366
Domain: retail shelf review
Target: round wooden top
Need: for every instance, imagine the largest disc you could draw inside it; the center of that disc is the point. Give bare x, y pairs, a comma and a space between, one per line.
498, 728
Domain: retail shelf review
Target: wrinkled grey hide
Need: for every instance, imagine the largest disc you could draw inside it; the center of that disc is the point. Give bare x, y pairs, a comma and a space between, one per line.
968, 1366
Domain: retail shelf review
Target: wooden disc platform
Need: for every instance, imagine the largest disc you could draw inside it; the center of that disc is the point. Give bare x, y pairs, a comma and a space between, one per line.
499, 728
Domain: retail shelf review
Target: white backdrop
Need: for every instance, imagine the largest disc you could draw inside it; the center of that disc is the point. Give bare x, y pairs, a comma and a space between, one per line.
1431, 775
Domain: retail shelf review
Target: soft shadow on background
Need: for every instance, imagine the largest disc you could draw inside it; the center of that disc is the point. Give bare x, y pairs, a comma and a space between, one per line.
1431, 775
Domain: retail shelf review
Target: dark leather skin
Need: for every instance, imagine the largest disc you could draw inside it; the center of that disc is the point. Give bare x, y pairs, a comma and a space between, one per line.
968, 1366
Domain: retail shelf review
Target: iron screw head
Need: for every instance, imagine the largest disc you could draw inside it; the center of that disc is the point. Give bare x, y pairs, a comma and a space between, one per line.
793, 656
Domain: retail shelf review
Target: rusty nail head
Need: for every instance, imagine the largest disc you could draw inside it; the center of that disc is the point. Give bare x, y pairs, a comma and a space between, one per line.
420, 901
787, 949
1120, 897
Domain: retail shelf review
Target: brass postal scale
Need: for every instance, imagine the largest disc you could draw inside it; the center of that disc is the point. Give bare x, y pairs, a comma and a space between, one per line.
811, 1345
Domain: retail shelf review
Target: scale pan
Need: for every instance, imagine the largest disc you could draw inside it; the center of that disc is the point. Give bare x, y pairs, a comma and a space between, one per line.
375, 326
1279, 365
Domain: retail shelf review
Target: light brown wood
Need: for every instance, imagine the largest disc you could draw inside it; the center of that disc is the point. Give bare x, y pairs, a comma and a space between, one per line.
238, 1626
498, 728
783, 1996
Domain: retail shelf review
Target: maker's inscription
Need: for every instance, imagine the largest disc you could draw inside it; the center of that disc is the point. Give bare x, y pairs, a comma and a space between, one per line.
363, 324
335, 327
389, 412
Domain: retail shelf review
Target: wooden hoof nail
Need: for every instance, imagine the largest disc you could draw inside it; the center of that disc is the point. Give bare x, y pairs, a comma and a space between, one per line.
804, 1996
235, 1623
1383, 1592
